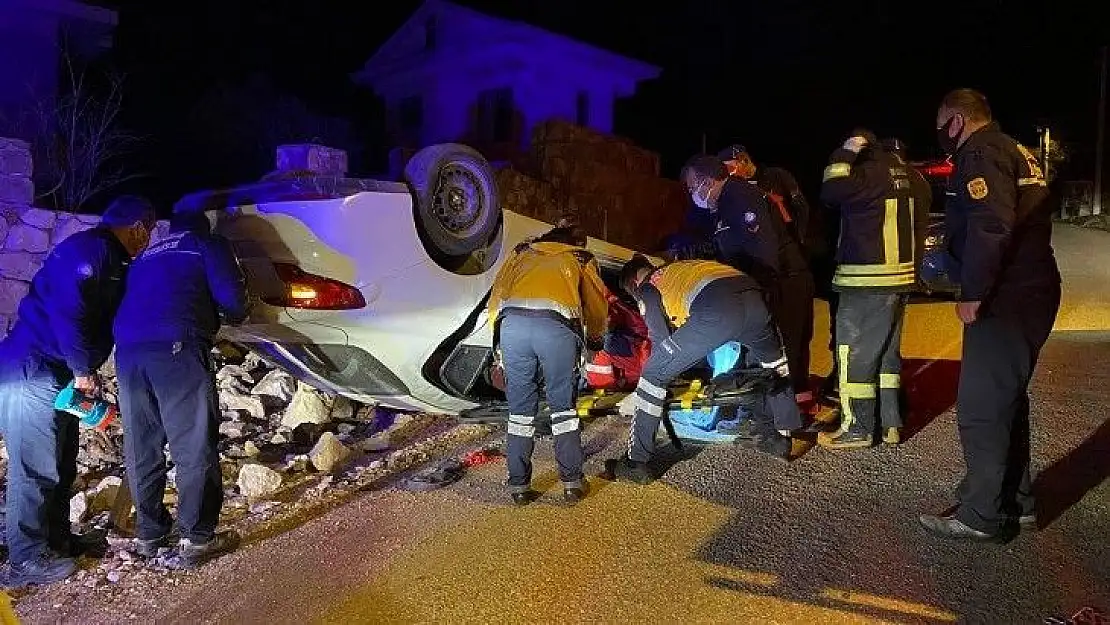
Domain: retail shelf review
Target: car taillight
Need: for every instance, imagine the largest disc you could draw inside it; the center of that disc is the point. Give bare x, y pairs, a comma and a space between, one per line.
306, 290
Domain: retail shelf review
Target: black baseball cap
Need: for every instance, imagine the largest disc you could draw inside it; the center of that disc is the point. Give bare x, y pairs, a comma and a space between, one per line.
732, 152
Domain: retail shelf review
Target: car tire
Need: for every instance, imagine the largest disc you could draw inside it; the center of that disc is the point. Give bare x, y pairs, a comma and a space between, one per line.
457, 209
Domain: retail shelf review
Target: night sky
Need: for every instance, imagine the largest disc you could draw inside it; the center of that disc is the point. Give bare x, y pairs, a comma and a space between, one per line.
786, 78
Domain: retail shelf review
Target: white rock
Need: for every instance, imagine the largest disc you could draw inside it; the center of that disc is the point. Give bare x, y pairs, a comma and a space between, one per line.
11, 292
279, 439
233, 429
78, 507
24, 238
308, 406
19, 265
67, 227
251, 449
329, 453
246, 403
39, 218
276, 384
257, 481
342, 408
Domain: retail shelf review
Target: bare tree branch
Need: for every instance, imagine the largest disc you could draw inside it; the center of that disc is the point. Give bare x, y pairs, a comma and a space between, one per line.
78, 140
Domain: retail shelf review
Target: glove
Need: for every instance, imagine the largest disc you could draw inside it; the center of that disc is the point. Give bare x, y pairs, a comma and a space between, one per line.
859, 139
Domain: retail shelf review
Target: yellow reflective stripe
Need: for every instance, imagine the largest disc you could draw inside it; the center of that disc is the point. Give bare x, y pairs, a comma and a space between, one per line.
890, 231
890, 380
913, 229
837, 170
875, 281
1025, 182
874, 270
846, 416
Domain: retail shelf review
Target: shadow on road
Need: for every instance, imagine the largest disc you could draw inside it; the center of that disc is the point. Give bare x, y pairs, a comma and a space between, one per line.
930, 391
1069, 479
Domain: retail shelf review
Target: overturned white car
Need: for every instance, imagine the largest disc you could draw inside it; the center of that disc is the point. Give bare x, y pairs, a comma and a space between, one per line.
376, 290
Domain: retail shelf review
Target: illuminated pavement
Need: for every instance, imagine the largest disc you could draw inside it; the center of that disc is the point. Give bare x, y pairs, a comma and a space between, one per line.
727, 537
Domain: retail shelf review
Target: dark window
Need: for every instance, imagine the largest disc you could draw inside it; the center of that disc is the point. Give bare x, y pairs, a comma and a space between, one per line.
430, 33
410, 114
495, 115
582, 116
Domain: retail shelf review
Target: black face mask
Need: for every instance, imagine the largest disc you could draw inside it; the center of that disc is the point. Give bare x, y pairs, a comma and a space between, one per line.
948, 144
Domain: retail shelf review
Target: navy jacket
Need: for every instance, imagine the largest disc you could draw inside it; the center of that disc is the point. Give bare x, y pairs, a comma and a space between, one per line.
177, 288
747, 234
67, 314
999, 223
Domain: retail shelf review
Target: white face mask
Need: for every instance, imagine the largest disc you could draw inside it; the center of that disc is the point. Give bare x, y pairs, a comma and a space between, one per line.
701, 201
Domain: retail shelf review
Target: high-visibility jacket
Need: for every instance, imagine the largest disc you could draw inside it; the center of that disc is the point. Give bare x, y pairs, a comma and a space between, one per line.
554, 279
875, 196
680, 282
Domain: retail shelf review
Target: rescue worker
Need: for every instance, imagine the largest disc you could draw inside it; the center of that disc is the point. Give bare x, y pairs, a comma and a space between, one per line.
999, 225
922, 194
691, 308
164, 334
63, 334
876, 270
748, 237
546, 298
792, 298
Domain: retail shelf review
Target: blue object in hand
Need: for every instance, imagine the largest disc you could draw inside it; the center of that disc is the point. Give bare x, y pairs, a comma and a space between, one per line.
92, 411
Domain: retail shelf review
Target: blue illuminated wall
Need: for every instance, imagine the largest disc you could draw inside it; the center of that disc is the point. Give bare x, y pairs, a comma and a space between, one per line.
31, 34
451, 73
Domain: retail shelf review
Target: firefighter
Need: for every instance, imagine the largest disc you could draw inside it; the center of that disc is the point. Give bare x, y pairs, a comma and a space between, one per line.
999, 224
922, 194
792, 298
876, 270
63, 334
164, 334
546, 298
691, 308
748, 237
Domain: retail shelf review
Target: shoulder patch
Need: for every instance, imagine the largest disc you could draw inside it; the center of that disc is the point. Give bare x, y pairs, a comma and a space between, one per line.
749, 217
977, 188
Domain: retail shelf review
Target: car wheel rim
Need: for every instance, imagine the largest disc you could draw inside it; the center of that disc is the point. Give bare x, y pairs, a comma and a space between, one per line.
458, 200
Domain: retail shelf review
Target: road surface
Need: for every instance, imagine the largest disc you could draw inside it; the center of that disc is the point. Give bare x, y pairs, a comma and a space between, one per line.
727, 537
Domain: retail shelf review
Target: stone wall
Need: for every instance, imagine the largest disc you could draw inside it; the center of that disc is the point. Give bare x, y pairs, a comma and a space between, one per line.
27, 234
611, 185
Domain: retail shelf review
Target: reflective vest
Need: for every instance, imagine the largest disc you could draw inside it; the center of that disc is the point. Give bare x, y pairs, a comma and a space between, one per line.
875, 198
680, 282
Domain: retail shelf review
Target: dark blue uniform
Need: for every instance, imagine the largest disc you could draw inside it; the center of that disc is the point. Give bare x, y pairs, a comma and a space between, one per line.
999, 226
64, 330
752, 236
164, 333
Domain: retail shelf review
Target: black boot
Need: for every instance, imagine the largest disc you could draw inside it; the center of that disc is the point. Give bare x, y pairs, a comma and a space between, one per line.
852, 438
191, 555
627, 470
575, 494
524, 497
775, 444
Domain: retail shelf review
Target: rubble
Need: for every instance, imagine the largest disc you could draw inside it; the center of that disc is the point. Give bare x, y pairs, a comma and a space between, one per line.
257, 481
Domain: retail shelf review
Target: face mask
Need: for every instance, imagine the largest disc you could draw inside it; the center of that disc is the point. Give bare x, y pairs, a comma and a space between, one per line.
701, 201
948, 144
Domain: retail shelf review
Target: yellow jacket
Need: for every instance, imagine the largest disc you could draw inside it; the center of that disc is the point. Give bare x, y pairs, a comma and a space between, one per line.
680, 282
555, 277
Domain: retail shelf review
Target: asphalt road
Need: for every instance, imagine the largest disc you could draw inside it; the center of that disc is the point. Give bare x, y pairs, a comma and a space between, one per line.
728, 536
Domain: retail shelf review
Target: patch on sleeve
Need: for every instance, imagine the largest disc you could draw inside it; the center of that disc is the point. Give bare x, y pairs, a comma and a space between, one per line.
749, 217
977, 188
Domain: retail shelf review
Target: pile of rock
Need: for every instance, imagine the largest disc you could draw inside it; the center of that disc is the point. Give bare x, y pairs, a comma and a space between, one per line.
274, 433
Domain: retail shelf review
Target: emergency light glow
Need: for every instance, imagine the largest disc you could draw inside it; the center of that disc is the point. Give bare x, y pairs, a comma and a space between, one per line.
940, 170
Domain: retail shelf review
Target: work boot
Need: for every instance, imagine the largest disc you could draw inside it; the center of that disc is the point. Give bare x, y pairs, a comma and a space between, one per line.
852, 438
775, 444
44, 569
575, 494
892, 436
627, 470
191, 555
524, 497
148, 548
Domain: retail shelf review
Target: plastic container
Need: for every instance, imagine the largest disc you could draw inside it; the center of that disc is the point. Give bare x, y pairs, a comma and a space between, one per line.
92, 411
